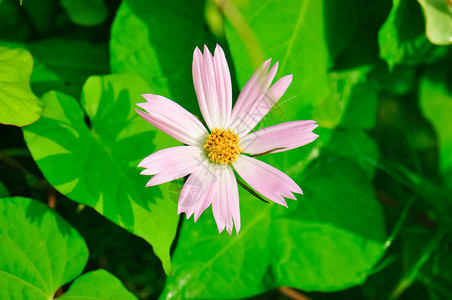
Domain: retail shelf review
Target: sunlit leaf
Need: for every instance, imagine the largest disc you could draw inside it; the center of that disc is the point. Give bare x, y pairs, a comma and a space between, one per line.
296, 246
97, 285
39, 251
97, 164
289, 32
438, 18
19, 106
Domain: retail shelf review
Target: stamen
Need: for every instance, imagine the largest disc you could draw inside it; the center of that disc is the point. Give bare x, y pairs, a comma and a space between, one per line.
222, 146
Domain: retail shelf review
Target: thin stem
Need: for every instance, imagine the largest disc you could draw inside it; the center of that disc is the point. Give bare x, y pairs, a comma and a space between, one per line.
413, 272
251, 191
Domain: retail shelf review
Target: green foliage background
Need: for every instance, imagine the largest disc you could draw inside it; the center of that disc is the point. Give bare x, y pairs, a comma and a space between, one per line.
77, 221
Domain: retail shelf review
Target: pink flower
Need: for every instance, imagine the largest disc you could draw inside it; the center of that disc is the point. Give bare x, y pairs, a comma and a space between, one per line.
210, 157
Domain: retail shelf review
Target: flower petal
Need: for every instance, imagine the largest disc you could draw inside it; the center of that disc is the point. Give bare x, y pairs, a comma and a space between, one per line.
171, 163
173, 119
256, 100
212, 82
225, 204
196, 194
287, 135
251, 90
265, 179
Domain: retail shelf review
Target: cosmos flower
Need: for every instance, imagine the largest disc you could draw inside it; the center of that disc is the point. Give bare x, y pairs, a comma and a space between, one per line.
211, 155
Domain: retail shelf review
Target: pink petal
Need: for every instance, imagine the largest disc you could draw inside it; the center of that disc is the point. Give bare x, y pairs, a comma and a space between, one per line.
256, 100
225, 204
265, 179
173, 119
196, 194
250, 91
171, 163
287, 135
212, 82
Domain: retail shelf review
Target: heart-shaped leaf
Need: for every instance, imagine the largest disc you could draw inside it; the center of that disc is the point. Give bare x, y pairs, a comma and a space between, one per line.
97, 165
19, 106
40, 252
277, 246
97, 285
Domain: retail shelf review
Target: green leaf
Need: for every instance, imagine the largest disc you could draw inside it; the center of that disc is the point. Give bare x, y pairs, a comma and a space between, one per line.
362, 104
97, 165
351, 101
277, 246
291, 32
156, 40
97, 285
39, 251
402, 44
260, 30
435, 99
20, 106
86, 12
400, 80
438, 21
354, 145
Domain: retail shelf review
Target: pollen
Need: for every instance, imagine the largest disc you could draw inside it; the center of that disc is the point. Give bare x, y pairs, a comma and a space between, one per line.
222, 146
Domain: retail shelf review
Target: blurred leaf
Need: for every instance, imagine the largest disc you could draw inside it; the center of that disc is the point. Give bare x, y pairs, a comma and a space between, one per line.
352, 37
351, 102
438, 21
39, 251
97, 285
20, 106
400, 80
85, 12
402, 37
156, 40
435, 99
43, 15
14, 25
361, 110
291, 32
342, 24
96, 164
296, 246
355, 145
3, 191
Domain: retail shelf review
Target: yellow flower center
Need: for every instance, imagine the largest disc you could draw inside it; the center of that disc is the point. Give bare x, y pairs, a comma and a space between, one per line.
222, 146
